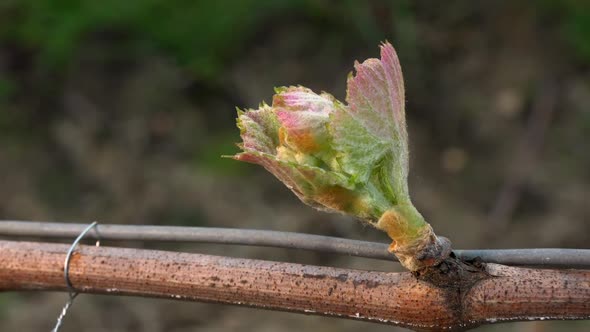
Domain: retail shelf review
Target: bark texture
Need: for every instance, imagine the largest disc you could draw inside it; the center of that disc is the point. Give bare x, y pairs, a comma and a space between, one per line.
497, 293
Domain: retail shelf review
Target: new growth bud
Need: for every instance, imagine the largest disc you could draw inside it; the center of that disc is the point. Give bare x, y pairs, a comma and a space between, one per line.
347, 158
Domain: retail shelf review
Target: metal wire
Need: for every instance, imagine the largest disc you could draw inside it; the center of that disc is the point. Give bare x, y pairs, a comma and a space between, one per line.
560, 258
71, 291
64, 311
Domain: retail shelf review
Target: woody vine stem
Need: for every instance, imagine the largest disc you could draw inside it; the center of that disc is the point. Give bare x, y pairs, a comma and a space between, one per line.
390, 298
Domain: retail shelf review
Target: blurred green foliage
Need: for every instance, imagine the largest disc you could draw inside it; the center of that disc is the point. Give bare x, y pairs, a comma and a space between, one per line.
204, 34
574, 22
577, 28
6, 89
199, 34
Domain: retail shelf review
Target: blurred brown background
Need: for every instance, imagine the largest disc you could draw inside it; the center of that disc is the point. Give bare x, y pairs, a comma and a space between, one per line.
118, 111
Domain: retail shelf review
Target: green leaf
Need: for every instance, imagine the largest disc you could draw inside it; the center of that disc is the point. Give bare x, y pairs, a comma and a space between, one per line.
371, 132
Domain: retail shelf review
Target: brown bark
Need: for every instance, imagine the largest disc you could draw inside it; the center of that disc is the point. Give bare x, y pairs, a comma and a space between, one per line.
502, 293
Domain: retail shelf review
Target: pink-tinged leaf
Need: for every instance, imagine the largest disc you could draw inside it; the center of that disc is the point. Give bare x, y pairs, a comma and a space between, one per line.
372, 128
395, 82
298, 98
303, 115
278, 169
376, 95
259, 129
